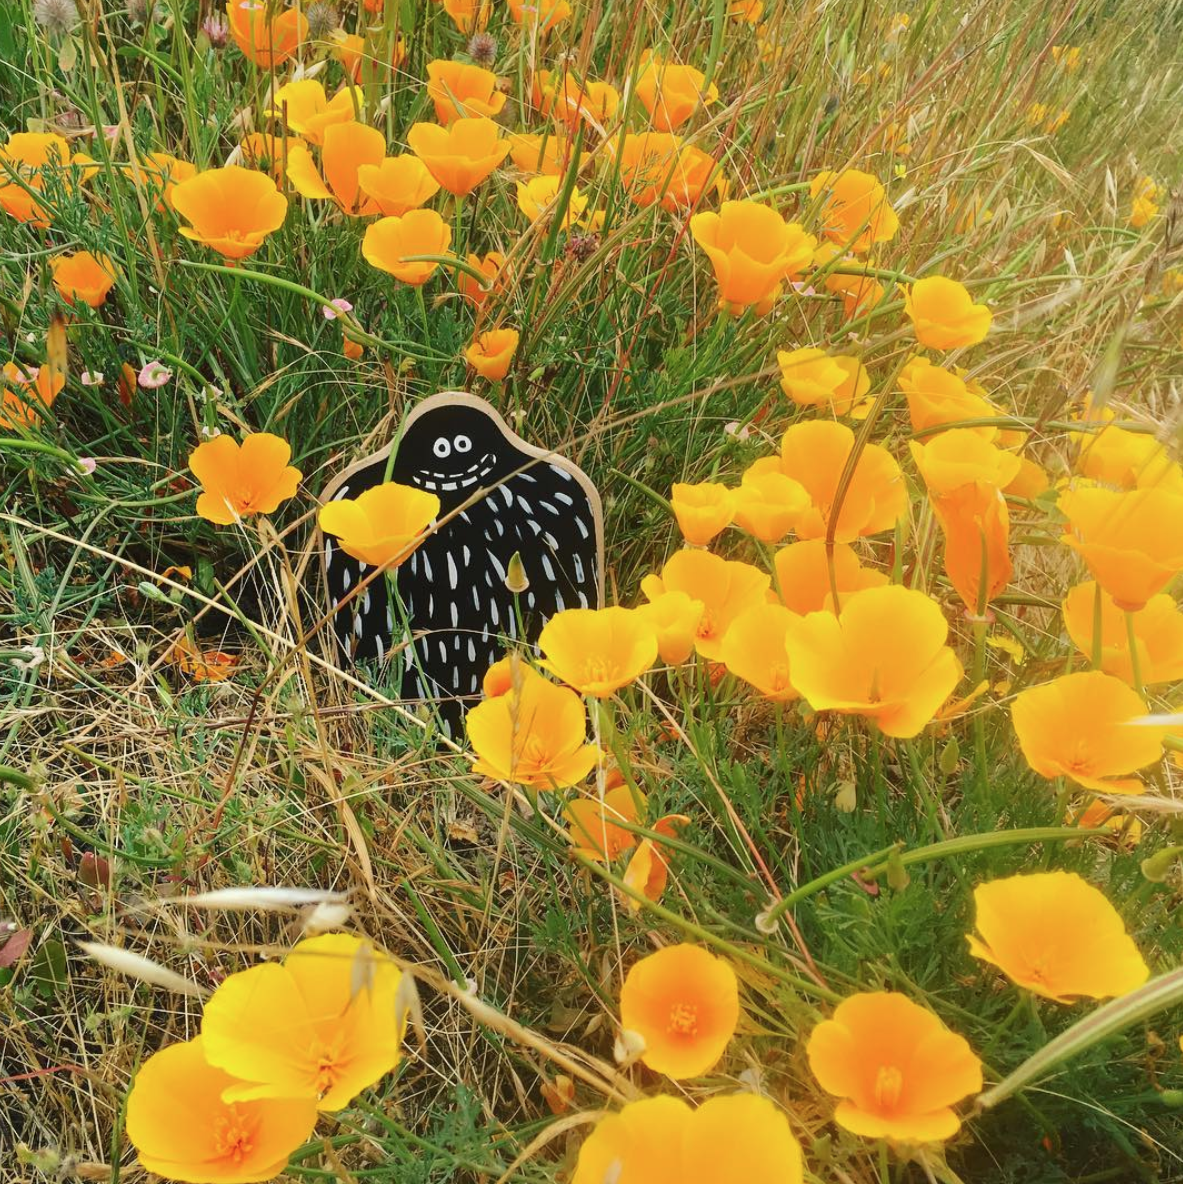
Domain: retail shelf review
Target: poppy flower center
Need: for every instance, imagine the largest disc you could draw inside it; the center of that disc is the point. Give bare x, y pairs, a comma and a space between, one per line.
534, 750
889, 1084
233, 1136
684, 1019
598, 669
328, 1065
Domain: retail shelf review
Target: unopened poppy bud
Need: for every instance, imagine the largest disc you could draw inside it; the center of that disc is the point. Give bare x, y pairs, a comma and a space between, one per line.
897, 875
1158, 866
949, 757
516, 579
629, 1046
846, 796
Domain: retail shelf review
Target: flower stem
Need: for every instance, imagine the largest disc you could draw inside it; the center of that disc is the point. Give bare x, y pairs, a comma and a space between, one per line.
1135, 661
979, 722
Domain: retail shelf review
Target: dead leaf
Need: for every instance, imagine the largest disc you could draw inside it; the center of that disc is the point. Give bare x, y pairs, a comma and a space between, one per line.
13, 949
202, 666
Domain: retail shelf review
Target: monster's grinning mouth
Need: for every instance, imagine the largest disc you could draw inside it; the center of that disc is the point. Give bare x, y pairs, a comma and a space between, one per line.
448, 482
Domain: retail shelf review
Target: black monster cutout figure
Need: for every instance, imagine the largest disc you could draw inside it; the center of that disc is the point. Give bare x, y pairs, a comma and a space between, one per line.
517, 499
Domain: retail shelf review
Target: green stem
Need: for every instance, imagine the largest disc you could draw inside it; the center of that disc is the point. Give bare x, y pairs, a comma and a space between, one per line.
979, 722
1135, 660
1098, 633
16, 777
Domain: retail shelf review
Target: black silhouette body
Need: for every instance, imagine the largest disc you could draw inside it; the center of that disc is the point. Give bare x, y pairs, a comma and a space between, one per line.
512, 499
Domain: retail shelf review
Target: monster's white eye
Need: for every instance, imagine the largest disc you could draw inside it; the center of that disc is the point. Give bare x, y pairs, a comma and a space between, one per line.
462, 444
442, 448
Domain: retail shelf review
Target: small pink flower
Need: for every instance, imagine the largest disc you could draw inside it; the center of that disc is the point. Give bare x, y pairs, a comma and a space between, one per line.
111, 132
217, 28
87, 464
335, 308
153, 375
92, 378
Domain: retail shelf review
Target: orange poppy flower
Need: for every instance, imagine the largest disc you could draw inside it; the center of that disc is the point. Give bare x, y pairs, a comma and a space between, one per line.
1099, 814
702, 510
594, 829
1158, 634
962, 457
855, 213
672, 93
30, 156
896, 1067
684, 1003
1056, 935
164, 173
231, 210
944, 315
1078, 726
752, 250
492, 266
729, 1139
1129, 460
746, 12
803, 575
1143, 206
656, 167
768, 505
811, 378
461, 156
569, 100
1029, 482
549, 155
648, 870
381, 526
597, 651
83, 277
241, 480
938, 396
725, 587
397, 184
348, 148
538, 195
674, 617
1130, 540
323, 1025
37, 388
389, 241
532, 735
468, 16
964, 474
860, 293
267, 40
218, 1142
814, 453
540, 14
976, 525
490, 353
754, 650
308, 111
268, 152
462, 91
647, 873
884, 658
505, 675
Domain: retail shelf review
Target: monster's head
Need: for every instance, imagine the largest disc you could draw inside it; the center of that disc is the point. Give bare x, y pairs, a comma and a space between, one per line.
453, 444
